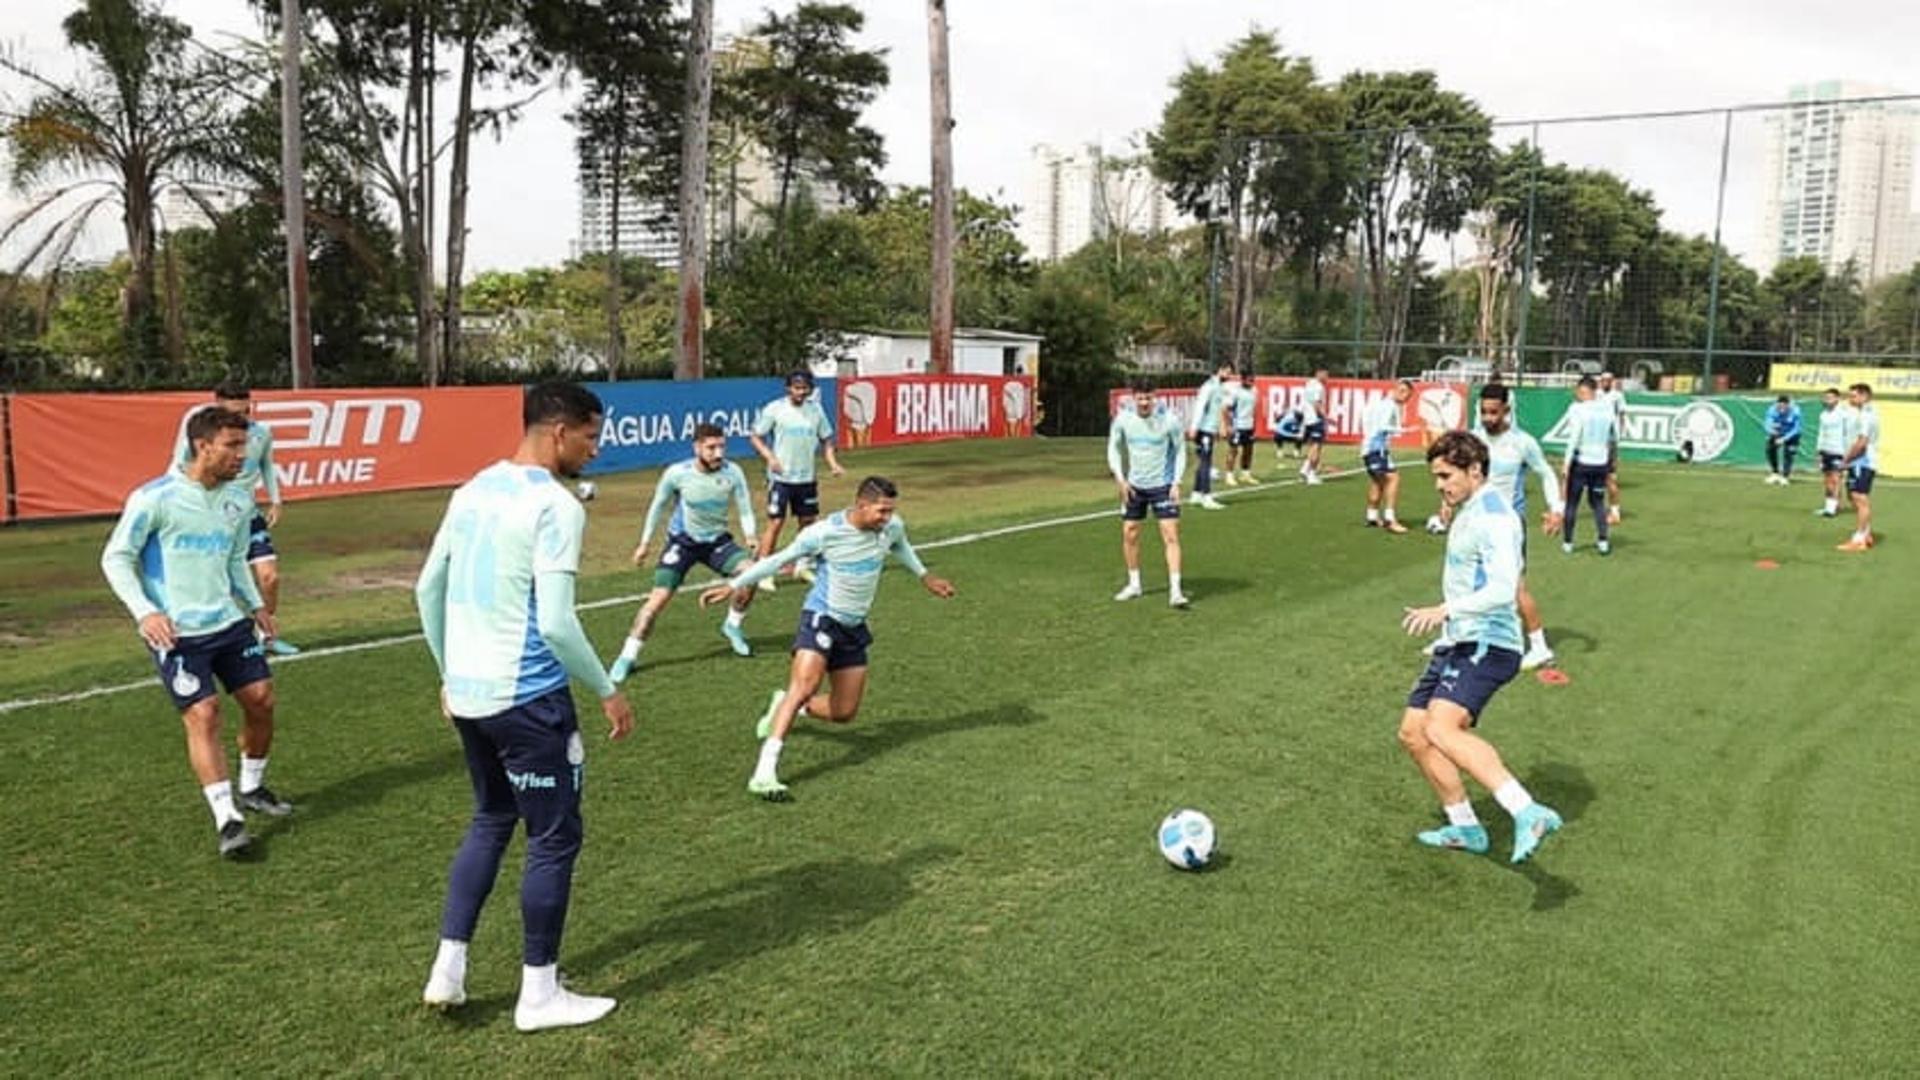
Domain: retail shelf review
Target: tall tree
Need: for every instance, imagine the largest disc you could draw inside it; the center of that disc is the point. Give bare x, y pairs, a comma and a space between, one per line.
940, 115
804, 99
1249, 146
1422, 158
145, 115
689, 354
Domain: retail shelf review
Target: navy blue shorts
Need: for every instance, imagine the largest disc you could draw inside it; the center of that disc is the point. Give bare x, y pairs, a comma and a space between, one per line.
1242, 437
1832, 463
529, 761
843, 646
1379, 462
1160, 499
1860, 479
1317, 431
1582, 478
233, 655
259, 543
721, 555
1466, 674
796, 500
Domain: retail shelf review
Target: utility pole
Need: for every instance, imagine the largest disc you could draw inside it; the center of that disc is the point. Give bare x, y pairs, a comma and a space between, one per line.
294, 194
940, 325
689, 353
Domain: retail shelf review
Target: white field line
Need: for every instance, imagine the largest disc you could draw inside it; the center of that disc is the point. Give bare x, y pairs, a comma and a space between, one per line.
18, 704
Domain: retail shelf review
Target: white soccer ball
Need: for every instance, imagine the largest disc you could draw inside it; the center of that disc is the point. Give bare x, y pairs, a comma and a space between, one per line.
1435, 525
1186, 839
587, 489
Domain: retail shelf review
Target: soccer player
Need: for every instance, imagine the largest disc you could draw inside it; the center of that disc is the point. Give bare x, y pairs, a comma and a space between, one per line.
1863, 459
1149, 477
1313, 420
1240, 449
496, 604
831, 643
1783, 440
1209, 407
1511, 454
1482, 654
1590, 450
177, 560
704, 486
1290, 429
1615, 402
799, 428
1379, 423
1832, 443
256, 471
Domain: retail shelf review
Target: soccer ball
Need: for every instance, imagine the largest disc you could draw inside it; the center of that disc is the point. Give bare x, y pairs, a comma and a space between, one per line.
587, 490
1186, 839
1435, 525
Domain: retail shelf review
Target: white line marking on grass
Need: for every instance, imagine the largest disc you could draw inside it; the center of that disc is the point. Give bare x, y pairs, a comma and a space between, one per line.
614, 601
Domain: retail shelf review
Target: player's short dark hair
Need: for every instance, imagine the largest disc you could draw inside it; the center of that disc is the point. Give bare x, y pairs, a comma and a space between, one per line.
703, 432
1494, 391
232, 390
1408, 383
1224, 365
1142, 386
208, 422
800, 375
875, 488
560, 403
1783, 400
1459, 449
1863, 388
1589, 382
1246, 373
1834, 390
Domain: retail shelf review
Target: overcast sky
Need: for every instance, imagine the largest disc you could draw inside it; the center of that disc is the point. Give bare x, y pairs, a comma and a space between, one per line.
1074, 71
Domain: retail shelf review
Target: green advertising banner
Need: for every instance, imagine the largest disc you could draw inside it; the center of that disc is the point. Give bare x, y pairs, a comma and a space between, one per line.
1724, 430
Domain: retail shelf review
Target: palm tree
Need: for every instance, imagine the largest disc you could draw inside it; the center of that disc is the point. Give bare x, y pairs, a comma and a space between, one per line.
147, 114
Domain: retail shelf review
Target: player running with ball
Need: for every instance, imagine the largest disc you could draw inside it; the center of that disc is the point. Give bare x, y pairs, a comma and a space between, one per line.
1482, 629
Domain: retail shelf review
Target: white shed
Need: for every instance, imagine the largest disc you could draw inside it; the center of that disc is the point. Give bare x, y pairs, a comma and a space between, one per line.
905, 352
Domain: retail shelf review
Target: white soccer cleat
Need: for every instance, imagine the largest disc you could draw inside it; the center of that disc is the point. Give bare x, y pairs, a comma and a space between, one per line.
1232, 480
443, 990
563, 1008
1178, 599
1536, 658
767, 585
1208, 502
1313, 479
1131, 592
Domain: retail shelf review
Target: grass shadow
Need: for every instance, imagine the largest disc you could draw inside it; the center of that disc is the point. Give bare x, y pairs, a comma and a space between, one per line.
1565, 788
1562, 635
1202, 588
362, 788
766, 913
862, 746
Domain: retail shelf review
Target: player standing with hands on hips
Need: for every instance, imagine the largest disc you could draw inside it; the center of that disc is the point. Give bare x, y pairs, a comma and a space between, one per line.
1146, 457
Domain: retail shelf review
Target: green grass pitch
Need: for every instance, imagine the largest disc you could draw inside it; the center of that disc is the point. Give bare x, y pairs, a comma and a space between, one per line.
966, 883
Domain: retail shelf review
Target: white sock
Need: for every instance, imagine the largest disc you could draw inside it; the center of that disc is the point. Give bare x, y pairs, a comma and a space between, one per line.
1372, 514
1833, 506
1173, 582
253, 773
1512, 797
220, 800
1388, 515
1133, 579
538, 984
1461, 813
1537, 639
1858, 535
769, 767
631, 650
451, 961
735, 616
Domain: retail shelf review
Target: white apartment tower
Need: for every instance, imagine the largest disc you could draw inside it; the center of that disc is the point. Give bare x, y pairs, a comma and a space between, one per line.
647, 228
1075, 196
1839, 181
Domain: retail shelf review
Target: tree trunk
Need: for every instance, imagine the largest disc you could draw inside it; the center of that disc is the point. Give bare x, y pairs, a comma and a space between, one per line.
940, 325
689, 357
419, 137
616, 176
294, 200
136, 313
450, 349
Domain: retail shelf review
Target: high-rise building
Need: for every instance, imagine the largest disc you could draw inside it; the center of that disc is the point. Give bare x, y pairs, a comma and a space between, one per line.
1075, 196
1839, 180
179, 209
647, 227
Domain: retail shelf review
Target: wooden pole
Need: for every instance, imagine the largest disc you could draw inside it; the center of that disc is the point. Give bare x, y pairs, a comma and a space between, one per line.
940, 325
294, 196
688, 356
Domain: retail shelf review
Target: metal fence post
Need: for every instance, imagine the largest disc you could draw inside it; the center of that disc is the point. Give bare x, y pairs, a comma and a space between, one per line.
1713, 281
1526, 271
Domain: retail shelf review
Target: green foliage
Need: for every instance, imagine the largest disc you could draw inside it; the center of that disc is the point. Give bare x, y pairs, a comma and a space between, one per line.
548, 320
1079, 361
991, 274
790, 297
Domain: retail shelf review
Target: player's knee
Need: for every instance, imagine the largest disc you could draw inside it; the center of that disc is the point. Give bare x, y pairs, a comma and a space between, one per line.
1413, 735
1439, 731
202, 715
259, 703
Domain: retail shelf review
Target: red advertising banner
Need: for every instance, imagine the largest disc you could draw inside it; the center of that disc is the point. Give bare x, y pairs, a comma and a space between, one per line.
1433, 406
882, 411
82, 453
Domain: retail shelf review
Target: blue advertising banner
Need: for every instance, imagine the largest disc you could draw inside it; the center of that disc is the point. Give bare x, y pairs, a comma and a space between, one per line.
651, 422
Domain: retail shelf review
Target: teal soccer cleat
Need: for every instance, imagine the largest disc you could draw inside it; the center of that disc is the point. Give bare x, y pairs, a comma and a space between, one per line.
1530, 827
1471, 838
737, 638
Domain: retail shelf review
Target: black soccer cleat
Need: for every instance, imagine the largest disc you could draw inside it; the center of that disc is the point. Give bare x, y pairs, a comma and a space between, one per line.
262, 800
234, 839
